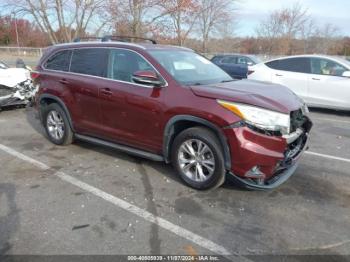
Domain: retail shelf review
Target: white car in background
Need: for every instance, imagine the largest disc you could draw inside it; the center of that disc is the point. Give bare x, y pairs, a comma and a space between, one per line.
321, 81
16, 87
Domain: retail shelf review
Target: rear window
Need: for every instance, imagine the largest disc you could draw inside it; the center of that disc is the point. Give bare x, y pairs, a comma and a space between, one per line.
59, 61
298, 65
90, 61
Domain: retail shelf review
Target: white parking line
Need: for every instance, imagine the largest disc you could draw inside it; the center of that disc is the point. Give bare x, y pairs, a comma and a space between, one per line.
328, 156
184, 233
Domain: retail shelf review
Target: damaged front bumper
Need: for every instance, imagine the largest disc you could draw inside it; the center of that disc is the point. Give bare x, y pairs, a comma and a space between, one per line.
264, 162
283, 171
21, 94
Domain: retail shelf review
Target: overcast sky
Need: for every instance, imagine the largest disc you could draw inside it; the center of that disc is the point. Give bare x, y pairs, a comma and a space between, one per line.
336, 12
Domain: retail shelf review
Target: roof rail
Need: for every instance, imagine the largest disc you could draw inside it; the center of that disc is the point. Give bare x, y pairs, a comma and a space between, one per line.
119, 38
86, 38
123, 38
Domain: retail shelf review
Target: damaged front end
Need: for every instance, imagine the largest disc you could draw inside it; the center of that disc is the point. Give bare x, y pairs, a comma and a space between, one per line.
20, 94
265, 159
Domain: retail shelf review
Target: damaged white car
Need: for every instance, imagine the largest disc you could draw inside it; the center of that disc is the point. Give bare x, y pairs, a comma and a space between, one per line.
16, 87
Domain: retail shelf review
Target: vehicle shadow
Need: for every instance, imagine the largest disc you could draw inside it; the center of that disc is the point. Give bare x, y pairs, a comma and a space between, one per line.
166, 170
330, 112
33, 120
10, 219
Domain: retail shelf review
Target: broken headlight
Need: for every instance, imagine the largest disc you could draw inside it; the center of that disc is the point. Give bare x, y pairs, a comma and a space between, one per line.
259, 117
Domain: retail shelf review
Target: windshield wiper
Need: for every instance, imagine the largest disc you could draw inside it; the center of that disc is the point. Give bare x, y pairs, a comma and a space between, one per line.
225, 81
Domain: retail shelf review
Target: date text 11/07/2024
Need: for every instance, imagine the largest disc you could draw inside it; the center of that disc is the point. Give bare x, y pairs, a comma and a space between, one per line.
174, 258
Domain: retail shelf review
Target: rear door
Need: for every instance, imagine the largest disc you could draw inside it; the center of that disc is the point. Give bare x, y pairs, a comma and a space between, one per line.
87, 70
292, 73
327, 86
131, 113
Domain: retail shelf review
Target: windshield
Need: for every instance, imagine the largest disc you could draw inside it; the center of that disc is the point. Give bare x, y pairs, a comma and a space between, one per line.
255, 59
189, 68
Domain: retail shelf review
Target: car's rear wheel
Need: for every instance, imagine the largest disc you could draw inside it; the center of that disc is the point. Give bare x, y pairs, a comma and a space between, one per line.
56, 125
198, 158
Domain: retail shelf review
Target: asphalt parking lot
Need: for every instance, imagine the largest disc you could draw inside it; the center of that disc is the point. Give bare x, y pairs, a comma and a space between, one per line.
84, 199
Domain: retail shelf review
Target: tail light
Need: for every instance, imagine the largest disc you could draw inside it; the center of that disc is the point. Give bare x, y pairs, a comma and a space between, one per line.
34, 75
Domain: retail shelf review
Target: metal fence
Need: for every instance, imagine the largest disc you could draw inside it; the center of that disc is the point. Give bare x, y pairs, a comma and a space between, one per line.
31, 53
21, 51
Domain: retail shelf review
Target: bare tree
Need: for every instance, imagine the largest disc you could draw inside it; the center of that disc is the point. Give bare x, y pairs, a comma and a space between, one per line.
62, 20
324, 38
284, 25
307, 32
134, 17
213, 14
182, 16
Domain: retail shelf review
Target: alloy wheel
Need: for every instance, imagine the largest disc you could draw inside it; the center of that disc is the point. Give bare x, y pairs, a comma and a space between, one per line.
55, 125
196, 160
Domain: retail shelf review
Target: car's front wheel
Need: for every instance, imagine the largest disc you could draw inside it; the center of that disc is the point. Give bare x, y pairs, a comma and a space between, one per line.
198, 158
56, 125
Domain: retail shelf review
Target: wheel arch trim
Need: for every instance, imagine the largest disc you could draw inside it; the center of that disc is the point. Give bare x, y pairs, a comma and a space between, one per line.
169, 134
60, 102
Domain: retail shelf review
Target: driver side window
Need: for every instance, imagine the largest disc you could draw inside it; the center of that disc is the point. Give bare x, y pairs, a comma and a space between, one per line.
229, 60
321, 66
124, 63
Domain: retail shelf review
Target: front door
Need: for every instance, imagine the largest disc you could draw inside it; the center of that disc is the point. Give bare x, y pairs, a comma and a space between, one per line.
327, 86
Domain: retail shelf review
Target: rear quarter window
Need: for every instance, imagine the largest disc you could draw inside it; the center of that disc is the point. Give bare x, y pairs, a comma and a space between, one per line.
59, 61
90, 61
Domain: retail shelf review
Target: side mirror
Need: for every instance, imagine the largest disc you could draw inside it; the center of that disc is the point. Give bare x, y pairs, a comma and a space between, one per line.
147, 78
346, 74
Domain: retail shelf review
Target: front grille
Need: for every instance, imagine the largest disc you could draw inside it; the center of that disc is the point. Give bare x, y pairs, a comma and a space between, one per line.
297, 120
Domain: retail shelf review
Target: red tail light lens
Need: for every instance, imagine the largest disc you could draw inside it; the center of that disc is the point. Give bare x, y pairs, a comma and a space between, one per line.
34, 75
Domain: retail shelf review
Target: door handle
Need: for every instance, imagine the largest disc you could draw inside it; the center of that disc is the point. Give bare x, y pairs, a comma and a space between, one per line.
278, 75
106, 92
317, 79
63, 81
87, 91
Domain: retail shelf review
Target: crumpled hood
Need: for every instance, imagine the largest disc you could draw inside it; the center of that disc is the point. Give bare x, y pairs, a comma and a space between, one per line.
267, 95
12, 76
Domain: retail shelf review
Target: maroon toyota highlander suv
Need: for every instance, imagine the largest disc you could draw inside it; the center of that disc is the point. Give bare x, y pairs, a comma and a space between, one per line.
170, 104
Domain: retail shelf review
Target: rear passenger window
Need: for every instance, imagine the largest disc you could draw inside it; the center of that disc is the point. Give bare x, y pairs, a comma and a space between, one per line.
59, 61
90, 61
123, 64
298, 65
229, 60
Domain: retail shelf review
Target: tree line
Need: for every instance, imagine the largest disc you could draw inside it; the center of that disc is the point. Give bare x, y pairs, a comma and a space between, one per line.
204, 25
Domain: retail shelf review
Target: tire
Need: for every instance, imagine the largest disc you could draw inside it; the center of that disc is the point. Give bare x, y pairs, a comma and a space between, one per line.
56, 124
211, 173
